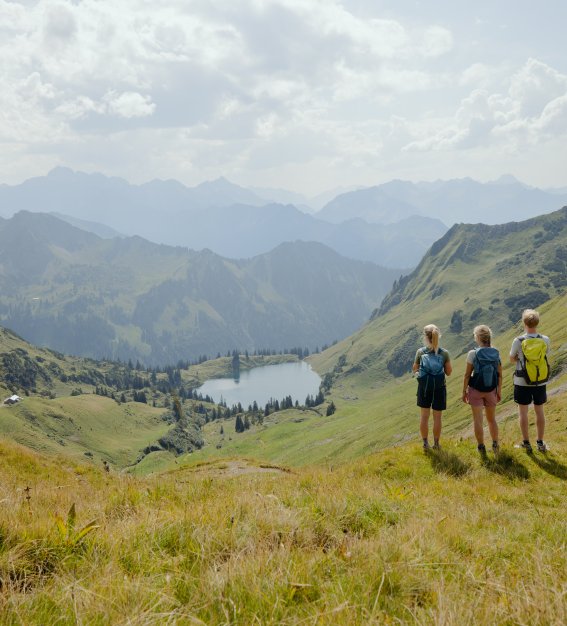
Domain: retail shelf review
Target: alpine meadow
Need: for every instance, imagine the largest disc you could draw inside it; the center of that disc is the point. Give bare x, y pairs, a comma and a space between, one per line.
283, 313
118, 510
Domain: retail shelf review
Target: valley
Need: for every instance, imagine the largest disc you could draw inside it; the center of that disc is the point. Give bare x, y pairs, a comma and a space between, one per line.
308, 514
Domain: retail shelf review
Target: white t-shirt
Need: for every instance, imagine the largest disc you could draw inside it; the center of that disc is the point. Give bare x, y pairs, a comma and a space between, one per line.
516, 350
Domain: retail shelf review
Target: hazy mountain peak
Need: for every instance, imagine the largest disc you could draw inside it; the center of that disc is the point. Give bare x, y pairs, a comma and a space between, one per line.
506, 179
60, 171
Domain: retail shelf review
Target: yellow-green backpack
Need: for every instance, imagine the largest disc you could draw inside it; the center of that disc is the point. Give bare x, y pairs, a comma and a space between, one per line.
535, 366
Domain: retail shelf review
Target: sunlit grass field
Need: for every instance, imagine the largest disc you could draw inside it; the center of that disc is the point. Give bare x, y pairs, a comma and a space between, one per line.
395, 537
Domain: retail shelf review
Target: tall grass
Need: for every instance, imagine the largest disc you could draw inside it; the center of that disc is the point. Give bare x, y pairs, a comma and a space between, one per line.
399, 537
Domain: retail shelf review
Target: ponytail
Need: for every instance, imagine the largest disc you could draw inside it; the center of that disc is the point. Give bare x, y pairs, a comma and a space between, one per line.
483, 334
432, 334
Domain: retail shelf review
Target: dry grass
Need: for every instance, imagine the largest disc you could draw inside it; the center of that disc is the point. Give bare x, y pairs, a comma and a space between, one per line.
401, 537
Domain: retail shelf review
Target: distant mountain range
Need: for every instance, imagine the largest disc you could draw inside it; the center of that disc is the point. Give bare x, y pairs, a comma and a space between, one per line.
452, 201
70, 290
225, 218
392, 224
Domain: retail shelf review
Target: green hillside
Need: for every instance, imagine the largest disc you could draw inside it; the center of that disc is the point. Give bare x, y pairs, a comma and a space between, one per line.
90, 409
474, 274
131, 299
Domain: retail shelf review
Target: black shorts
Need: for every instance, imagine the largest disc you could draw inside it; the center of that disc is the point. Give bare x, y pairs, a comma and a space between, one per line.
534, 393
430, 396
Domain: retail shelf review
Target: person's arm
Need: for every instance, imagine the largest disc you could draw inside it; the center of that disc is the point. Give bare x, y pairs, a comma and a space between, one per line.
514, 350
447, 365
466, 378
415, 366
499, 387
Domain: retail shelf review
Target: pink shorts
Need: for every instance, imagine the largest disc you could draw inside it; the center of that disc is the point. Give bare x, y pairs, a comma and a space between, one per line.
482, 398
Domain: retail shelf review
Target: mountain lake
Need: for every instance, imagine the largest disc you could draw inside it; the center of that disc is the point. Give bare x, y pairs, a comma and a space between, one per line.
297, 380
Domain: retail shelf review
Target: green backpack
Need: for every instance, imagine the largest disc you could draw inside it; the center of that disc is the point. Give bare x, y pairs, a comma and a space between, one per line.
535, 368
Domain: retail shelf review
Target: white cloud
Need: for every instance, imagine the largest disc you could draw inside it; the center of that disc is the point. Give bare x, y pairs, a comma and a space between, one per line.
436, 41
531, 111
129, 104
257, 84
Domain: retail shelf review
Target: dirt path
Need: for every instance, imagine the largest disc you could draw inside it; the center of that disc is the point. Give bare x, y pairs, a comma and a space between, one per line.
237, 468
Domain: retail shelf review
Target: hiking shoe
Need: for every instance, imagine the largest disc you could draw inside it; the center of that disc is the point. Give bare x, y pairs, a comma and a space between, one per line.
436, 446
525, 445
541, 446
495, 447
482, 449
426, 445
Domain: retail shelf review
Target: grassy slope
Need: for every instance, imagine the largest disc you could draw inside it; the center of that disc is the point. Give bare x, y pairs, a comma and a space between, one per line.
472, 267
396, 537
74, 425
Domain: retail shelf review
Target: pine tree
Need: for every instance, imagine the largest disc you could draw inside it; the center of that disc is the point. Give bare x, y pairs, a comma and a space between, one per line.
239, 426
177, 409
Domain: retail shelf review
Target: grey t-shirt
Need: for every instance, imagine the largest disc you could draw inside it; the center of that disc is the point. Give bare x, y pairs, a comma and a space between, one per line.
470, 357
516, 350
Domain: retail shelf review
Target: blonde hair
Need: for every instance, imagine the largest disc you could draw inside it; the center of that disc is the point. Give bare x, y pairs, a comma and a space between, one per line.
530, 318
432, 334
483, 334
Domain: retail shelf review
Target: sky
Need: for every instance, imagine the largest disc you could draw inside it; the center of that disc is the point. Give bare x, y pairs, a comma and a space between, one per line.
305, 95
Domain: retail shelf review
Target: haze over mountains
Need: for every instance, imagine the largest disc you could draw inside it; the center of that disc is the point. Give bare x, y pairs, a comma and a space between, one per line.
453, 201
392, 224
129, 298
228, 219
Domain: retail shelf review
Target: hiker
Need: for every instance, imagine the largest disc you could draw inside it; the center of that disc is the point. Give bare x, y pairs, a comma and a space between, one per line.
482, 386
529, 353
431, 364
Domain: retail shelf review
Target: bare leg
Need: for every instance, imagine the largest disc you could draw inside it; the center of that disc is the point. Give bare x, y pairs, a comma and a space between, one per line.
437, 424
523, 413
477, 423
492, 424
424, 423
540, 420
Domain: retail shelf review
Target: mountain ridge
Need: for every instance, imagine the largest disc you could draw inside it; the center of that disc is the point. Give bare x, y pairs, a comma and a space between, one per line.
473, 274
452, 201
219, 215
131, 298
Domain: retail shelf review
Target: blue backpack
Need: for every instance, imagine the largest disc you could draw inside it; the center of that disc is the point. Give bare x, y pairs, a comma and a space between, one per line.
432, 367
485, 365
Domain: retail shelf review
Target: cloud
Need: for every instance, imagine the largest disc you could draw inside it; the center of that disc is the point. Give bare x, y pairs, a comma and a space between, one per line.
270, 85
129, 104
531, 111
60, 25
